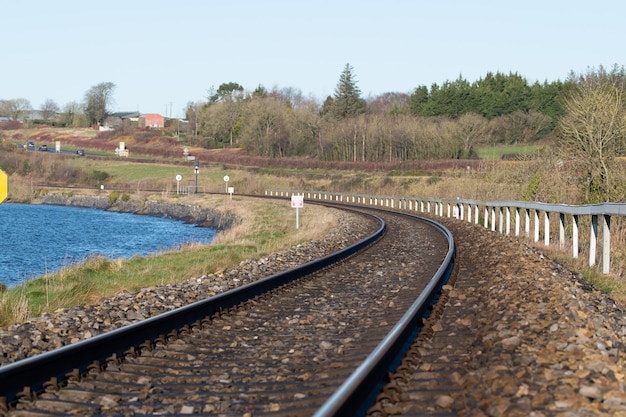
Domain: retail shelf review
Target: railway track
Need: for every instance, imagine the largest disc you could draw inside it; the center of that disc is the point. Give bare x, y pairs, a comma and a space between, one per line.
316, 340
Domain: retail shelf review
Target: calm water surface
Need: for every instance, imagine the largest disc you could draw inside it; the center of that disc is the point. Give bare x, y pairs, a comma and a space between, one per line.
39, 239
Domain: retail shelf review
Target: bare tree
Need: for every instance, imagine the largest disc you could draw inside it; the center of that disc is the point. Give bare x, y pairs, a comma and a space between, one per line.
221, 121
192, 114
16, 109
471, 127
592, 134
49, 109
391, 103
265, 130
520, 127
98, 102
70, 112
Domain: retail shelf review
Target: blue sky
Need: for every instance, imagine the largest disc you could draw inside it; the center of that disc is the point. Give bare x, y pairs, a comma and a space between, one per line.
163, 54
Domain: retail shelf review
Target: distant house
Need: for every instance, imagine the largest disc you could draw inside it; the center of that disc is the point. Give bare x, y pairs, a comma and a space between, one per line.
33, 115
133, 116
152, 120
115, 120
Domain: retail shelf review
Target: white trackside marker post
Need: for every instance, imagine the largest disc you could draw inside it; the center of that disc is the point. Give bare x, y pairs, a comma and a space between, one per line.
179, 178
297, 202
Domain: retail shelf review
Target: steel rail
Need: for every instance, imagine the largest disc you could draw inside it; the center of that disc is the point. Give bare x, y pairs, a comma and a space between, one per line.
36, 371
358, 392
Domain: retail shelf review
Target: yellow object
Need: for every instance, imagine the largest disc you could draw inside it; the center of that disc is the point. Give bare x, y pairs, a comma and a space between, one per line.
4, 186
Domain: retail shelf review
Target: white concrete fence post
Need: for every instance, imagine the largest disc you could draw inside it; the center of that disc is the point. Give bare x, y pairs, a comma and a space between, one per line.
498, 216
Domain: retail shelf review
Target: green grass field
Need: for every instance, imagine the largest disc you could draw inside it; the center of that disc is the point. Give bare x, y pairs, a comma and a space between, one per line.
495, 152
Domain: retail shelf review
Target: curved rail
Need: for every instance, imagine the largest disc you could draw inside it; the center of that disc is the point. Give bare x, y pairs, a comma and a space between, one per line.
353, 398
355, 395
35, 372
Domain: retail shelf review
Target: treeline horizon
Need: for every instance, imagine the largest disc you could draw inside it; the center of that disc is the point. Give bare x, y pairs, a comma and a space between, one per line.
440, 121
447, 121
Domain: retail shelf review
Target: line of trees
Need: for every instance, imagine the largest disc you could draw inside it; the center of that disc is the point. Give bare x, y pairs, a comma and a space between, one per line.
584, 116
95, 108
446, 121
491, 96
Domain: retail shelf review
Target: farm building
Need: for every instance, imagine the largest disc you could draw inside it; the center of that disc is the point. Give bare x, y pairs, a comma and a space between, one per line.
152, 120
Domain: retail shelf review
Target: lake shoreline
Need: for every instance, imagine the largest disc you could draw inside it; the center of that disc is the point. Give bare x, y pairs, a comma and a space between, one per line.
194, 216
189, 213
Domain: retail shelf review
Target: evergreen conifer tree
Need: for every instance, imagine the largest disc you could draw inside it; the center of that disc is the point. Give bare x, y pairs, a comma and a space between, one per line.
347, 98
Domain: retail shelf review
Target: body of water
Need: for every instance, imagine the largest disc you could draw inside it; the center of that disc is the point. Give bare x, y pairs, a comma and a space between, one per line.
39, 239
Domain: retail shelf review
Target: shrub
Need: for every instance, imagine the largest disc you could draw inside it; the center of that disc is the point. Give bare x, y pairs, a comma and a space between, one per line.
434, 179
114, 196
99, 175
26, 167
386, 182
530, 194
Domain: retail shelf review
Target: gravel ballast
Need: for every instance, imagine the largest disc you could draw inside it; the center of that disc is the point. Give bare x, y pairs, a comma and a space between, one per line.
546, 342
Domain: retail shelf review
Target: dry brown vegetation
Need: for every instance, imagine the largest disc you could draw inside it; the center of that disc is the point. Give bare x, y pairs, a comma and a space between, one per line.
545, 177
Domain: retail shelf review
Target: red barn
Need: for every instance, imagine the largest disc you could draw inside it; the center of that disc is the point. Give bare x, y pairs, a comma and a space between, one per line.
152, 120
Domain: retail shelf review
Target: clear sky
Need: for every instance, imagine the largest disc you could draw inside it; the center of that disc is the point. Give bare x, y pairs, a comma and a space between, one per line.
162, 55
